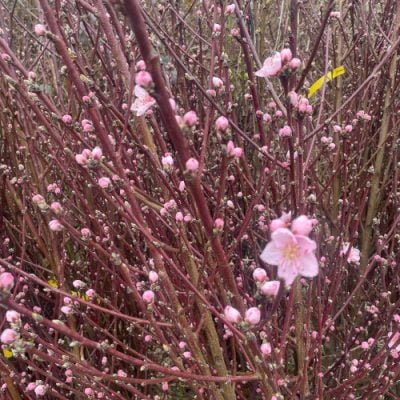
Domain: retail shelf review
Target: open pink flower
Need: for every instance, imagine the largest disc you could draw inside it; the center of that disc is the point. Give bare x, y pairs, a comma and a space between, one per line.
293, 254
143, 101
353, 256
272, 66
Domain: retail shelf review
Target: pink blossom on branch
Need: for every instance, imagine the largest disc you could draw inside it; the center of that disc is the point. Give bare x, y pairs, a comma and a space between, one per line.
292, 254
272, 66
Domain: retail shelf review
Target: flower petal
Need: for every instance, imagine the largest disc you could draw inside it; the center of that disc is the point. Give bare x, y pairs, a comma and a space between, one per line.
282, 237
306, 244
308, 265
271, 254
288, 272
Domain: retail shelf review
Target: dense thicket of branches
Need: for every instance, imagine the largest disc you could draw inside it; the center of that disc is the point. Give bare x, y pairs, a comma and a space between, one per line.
101, 209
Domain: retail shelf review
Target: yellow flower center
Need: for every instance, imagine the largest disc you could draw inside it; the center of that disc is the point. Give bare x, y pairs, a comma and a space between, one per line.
291, 251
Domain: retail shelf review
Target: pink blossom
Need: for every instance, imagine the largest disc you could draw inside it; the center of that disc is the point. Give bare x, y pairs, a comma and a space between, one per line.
271, 288
81, 159
293, 254
232, 315
78, 284
252, 316
192, 165
143, 79
6, 281
40, 390
267, 117
85, 232
217, 82
39, 29
12, 316
286, 55
143, 101
272, 66
266, 349
90, 293
182, 186
302, 225
67, 119
259, 275
190, 118
55, 225
335, 14
230, 9
67, 310
348, 128
8, 336
31, 386
235, 32
221, 123
104, 182
148, 296
353, 256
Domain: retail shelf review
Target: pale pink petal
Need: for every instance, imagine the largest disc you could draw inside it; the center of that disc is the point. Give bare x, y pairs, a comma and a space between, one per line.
308, 265
288, 272
306, 244
282, 237
271, 254
272, 66
140, 92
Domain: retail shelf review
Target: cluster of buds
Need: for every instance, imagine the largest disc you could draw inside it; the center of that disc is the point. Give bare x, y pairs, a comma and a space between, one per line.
279, 63
88, 156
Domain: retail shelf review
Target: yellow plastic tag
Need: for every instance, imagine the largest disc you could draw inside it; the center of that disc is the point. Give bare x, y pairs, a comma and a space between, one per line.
329, 76
7, 353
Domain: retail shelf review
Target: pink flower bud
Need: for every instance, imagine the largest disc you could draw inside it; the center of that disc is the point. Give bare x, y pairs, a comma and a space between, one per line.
219, 223
167, 161
217, 28
97, 153
182, 186
67, 119
143, 79
266, 349
39, 29
235, 32
286, 55
259, 275
267, 117
237, 152
55, 225
88, 391
217, 82
81, 159
148, 296
335, 14
86, 99
348, 128
302, 225
294, 98
211, 92
337, 128
190, 118
192, 165
56, 207
8, 336
31, 386
31, 75
221, 123
252, 316
178, 217
286, 131
104, 182
232, 315
153, 276
294, 64
270, 288
140, 65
